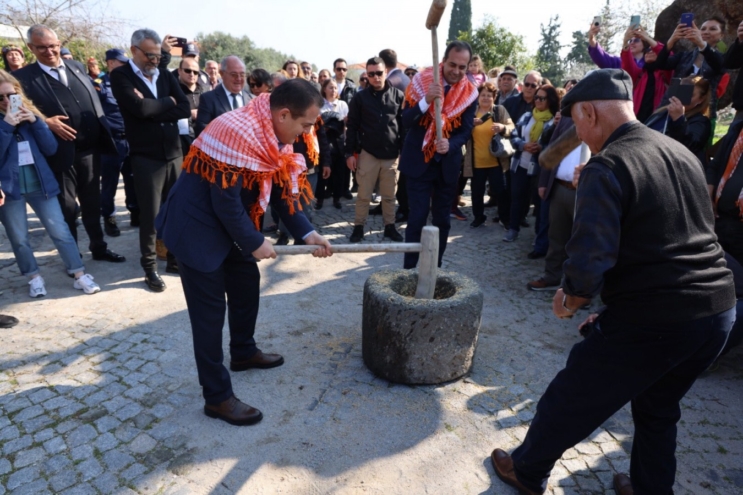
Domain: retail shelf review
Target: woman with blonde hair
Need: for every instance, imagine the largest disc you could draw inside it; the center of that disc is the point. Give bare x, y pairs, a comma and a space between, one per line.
26, 179
689, 124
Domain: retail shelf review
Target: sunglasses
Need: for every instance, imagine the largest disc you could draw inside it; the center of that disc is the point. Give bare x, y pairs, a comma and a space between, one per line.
540, 98
378, 73
635, 40
531, 85
255, 85
190, 71
343, 69
306, 69
7, 95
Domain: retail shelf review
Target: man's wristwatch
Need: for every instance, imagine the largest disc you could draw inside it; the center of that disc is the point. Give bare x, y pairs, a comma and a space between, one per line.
564, 305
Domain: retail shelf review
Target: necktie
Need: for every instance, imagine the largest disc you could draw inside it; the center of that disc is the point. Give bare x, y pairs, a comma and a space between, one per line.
61, 74
235, 103
446, 90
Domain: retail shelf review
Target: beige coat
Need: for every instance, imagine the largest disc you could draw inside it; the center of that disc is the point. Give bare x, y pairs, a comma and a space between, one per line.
500, 115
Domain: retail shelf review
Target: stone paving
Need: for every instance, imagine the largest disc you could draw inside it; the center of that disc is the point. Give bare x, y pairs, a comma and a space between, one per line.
99, 394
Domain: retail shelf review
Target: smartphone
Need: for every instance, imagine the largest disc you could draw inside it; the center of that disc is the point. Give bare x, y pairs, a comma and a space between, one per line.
634, 22
687, 19
180, 42
486, 117
597, 20
683, 92
15, 103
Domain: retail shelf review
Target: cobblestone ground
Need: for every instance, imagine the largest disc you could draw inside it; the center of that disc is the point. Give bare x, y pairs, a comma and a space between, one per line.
99, 394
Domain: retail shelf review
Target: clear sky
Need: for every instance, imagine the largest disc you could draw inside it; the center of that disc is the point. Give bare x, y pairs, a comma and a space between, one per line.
320, 31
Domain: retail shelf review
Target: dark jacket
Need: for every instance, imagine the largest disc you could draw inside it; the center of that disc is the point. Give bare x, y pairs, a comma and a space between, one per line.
734, 60
193, 98
693, 133
37, 88
398, 79
42, 144
682, 65
214, 103
547, 176
375, 122
349, 91
151, 123
110, 105
412, 162
517, 106
716, 167
201, 221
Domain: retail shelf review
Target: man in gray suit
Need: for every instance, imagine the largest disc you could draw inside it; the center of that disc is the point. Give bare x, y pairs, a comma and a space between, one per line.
228, 96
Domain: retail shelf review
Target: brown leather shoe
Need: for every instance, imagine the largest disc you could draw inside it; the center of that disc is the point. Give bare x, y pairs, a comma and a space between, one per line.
503, 465
259, 360
234, 412
622, 484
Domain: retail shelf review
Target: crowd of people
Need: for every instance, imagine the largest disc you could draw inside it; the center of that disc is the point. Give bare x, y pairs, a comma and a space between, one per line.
206, 156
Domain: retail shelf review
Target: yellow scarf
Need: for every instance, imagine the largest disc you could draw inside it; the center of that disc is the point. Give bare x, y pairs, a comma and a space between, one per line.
541, 117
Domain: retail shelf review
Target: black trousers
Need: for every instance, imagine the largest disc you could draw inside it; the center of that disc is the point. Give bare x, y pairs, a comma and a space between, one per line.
152, 182
402, 195
82, 181
729, 230
651, 366
493, 176
111, 167
429, 193
340, 176
239, 279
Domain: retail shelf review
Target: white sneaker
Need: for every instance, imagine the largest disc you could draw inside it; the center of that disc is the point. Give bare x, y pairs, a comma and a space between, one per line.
85, 283
37, 288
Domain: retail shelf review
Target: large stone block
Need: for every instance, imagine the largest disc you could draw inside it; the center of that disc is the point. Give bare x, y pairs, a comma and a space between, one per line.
420, 341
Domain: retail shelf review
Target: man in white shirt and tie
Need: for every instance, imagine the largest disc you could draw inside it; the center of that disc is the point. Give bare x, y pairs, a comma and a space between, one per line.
62, 90
228, 96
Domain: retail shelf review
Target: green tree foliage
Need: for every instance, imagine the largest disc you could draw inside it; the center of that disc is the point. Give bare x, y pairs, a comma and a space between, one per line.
497, 46
217, 45
549, 61
461, 19
611, 27
579, 49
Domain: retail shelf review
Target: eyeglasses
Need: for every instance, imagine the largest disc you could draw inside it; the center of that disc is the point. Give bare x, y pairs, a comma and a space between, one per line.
635, 40
46, 48
531, 85
306, 69
343, 69
6, 95
237, 75
255, 85
152, 57
190, 71
540, 98
378, 73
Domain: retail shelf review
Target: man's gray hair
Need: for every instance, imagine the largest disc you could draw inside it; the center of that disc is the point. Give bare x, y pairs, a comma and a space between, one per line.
211, 62
145, 34
536, 74
39, 29
223, 63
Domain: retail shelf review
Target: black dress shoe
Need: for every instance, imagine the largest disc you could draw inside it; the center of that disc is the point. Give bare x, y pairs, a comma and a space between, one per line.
535, 255
154, 282
357, 234
109, 225
8, 321
283, 240
172, 267
259, 360
109, 256
318, 204
337, 205
390, 232
234, 412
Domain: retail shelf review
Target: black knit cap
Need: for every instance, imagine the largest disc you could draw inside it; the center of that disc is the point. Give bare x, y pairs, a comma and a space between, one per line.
599, 84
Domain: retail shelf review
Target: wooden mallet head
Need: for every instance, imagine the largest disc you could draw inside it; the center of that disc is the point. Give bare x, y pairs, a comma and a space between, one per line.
435, 13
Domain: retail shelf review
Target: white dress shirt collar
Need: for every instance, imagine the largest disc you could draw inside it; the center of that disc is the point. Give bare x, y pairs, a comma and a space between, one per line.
151, 84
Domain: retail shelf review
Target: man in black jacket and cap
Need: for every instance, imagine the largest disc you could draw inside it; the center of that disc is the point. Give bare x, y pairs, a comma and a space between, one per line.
670, 300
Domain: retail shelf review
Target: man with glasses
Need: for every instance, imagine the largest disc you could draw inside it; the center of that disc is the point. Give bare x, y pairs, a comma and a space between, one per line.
306, 69
346, 87
228, 96
151, 103
62, 90
193, 88
517, 105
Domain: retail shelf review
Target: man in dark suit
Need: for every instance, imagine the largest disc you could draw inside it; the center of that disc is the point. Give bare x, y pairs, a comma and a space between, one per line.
432, 169
205, 222
62, 90
151, 102
228, 96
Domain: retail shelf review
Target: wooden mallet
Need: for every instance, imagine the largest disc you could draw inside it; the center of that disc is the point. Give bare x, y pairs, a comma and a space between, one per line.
432, 22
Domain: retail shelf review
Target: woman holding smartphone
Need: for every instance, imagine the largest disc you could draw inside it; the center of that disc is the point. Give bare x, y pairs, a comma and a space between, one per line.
25, 178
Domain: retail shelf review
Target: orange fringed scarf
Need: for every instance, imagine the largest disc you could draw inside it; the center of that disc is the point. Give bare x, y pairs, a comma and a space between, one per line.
458, 99
242, 143
310, 141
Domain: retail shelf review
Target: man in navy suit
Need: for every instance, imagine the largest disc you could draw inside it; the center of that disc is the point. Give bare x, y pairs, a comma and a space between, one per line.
228, 96
432, 180
206, 224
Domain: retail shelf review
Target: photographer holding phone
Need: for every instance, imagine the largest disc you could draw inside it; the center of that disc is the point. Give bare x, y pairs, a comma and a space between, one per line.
607, 61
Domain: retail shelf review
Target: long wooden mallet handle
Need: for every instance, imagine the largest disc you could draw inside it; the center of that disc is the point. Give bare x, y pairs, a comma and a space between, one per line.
432, 22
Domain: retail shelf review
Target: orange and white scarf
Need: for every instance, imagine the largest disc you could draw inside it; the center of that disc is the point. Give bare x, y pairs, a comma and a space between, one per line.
735, 156
459, 98
242, 143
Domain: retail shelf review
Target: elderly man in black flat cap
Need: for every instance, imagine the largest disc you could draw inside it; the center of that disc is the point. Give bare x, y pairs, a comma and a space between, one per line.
643, 239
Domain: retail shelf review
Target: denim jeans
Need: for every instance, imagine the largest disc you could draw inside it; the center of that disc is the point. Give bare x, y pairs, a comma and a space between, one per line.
14, 219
